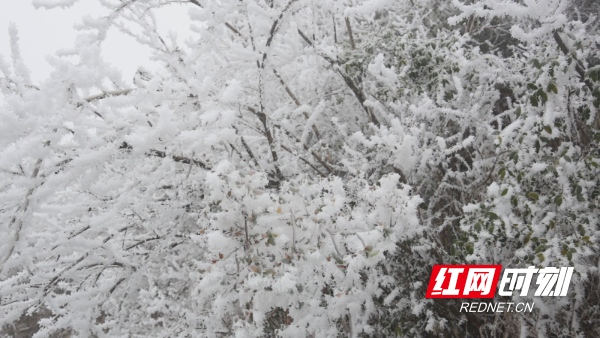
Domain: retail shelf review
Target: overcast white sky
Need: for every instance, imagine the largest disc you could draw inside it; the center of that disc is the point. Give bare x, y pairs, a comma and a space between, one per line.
43, 32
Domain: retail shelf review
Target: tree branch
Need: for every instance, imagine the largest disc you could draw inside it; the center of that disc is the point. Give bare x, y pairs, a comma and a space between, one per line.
263, 119
107, 94
305, 161
348, 80
297, 102
18, 221
182, 159
274, 29
350, 35
578, 64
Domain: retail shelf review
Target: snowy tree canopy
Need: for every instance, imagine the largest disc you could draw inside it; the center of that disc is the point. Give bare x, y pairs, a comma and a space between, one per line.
297, 167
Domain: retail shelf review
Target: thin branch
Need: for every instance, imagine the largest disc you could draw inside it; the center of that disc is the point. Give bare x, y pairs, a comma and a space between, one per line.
350, 35
142, 242
313, 153
18, 221
263, 119
233, 29
287, 89
108, 94
306, 39
334, 244
190, 168
247, 243
578, 65
235, 149
162, 154
274, 29
297, 102
248, 150
293, 232
79, 232
334, 30
227, 24
305, 161
348, 80
11, 172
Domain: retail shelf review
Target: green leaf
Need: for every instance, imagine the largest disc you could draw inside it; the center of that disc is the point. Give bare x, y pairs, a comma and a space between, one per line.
502, 173
552, 88
527, 237
373, 253
514, 156
469, 248
532, 86
533, 196
541, 94
514, 201
541, 257
492, 216
548, 129
533, 100
504, 192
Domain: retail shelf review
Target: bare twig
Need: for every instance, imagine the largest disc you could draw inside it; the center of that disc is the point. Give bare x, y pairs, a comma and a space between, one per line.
263, 119
350, 35
305, 161
578, 65
248, 150
247, 243
274, 29
233, 29
142, 242
162, 154
333, 241
293, 232
79, 232
11, 172
190, 168
296, 101
347, 79
107, 94
334, 30
16, 221
312, 152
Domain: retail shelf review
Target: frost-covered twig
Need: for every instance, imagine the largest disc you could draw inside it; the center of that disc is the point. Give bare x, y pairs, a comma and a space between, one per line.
17, 221
108, 94
358, 93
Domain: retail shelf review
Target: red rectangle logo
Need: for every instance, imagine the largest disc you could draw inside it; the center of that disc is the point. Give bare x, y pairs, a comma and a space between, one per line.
463, 281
